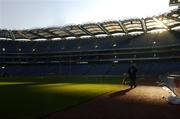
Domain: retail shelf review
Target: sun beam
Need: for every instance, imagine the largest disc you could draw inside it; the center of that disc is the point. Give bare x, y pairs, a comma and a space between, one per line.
103, 10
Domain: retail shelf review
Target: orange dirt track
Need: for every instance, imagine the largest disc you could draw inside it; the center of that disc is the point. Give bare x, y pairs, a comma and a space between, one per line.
143, 102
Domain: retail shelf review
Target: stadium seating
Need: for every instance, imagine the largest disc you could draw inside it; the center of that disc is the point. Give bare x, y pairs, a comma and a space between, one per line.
154, 54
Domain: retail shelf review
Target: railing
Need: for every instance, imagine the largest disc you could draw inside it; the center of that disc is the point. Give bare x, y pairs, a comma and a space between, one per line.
173, 82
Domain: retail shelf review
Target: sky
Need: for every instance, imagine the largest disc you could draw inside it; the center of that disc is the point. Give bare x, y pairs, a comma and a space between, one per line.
28, 14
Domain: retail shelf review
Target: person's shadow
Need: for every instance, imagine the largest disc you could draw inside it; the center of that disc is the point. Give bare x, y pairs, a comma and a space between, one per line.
120, 93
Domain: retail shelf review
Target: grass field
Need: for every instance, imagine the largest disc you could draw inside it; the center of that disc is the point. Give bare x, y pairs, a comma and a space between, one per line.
36, 97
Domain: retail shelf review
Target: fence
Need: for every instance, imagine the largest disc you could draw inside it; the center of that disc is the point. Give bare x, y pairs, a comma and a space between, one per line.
173, 82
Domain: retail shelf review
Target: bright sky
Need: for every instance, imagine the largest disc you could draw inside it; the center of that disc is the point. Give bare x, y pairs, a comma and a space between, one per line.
25, 14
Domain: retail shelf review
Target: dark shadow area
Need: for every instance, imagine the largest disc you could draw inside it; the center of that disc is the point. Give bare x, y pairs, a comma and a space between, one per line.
120, 93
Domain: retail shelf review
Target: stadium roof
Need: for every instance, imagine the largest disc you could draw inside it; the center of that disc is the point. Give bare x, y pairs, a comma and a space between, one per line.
167, 21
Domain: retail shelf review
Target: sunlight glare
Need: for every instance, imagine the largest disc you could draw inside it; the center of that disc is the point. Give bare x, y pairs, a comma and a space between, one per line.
105, 10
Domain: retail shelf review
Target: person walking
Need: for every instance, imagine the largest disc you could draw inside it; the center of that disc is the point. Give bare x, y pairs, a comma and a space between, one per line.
132, 75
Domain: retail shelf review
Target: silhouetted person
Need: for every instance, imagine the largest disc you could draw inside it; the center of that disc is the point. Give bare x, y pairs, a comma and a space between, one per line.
132, 75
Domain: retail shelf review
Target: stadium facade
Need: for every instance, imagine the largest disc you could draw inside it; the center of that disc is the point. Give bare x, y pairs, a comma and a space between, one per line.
94, 49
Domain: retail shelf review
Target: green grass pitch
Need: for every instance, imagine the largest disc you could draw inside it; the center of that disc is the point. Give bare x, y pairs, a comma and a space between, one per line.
36, 97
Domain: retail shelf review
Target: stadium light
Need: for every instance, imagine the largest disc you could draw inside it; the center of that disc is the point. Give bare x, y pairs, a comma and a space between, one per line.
56, 39
115, 61
136, 33
41, 39
85, 36
3, 67
96, 46
101, 35
118, 34
23, 40
3, 49
5, 39
83, 62
157, 31
176, 28
70, 38
114, 45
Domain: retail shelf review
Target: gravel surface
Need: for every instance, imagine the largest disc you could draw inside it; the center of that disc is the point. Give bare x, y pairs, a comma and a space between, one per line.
144, 101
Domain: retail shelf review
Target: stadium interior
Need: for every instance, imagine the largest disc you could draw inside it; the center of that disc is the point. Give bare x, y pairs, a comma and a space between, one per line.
86, 71
106, 48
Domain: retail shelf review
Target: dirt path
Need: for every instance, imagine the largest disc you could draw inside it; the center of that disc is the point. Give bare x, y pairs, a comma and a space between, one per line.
144, 101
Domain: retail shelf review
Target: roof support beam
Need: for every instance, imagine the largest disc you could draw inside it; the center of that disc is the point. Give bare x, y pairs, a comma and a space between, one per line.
36, 34
143, 24
161, 23
122, 26
12, 35
67, 31
103, 29
56, 35
173, 18
86, 31
23, 35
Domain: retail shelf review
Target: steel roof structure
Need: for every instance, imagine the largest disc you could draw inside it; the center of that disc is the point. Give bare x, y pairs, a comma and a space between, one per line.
166, 21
